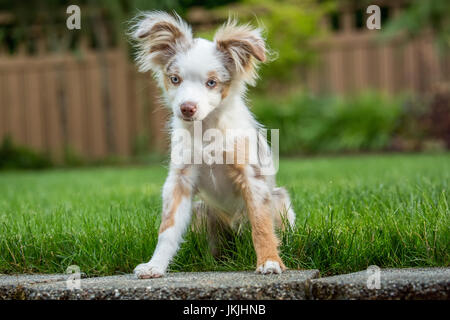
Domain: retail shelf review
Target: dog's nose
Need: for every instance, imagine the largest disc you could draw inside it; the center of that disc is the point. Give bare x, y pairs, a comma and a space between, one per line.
188, 109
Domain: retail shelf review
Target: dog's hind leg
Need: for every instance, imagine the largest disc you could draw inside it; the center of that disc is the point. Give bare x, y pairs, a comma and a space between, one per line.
207, 217
284, 213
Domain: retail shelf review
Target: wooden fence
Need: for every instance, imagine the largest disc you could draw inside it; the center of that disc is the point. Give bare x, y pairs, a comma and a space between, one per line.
93, 105
353, 58
96, 104
349, 62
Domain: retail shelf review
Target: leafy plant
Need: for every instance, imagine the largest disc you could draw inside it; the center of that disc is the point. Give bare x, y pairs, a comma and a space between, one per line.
15, 157
103, 22
309, 124
289, 26
421, 16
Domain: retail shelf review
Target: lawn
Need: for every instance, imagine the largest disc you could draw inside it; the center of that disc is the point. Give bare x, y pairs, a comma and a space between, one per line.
387, 210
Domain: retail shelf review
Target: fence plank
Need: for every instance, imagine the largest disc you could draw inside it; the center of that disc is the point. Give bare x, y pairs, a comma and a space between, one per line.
132, 107
361, 62
431, 61
85, 109
18, 129
96, 117
4, 116
6, 104
118, 67
387, 68
74, 111
53, 121
337, 72
142, 101
32, 110
158, 118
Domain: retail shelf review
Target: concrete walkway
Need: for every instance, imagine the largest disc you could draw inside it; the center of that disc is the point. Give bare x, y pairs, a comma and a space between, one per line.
432, 283
404, 284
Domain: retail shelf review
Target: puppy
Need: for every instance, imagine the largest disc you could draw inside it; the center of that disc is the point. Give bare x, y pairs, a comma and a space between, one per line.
203, 84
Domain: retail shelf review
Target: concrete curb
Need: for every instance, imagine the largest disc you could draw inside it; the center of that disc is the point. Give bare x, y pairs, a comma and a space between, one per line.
183, 285
429, 283
12, 286
394, 284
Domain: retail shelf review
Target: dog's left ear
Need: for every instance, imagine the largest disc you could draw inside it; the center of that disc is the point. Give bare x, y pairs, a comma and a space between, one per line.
242, 46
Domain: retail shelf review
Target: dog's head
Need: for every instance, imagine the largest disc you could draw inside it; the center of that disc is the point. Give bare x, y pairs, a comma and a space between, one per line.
195, 74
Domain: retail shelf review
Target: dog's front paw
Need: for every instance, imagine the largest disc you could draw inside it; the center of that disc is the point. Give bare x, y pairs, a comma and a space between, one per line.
270, 267
148, 271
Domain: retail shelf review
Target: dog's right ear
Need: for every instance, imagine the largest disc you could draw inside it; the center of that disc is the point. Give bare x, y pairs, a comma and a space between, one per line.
159, 36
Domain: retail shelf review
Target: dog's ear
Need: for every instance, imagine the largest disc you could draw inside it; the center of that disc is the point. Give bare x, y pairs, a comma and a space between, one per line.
159, 36
242, 46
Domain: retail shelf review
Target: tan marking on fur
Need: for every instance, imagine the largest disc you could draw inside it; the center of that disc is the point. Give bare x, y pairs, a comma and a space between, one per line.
212, 74
246, 46
165, 36
180, 191
260, 217
183, 171
225, 89
242, 47
166, 81
164, 26
257, 171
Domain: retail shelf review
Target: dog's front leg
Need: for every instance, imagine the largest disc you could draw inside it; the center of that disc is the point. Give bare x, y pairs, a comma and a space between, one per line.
257, 197
176, 215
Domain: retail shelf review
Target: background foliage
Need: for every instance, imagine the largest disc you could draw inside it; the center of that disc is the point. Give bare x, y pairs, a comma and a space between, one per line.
289, 26
423, 16
365, 122
369, 121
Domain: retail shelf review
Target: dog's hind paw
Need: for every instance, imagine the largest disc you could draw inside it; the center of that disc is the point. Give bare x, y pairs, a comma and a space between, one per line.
270, 267
148, 271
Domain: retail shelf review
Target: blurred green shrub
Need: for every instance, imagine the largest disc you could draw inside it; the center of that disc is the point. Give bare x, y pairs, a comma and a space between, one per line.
289, 26
421, 16
17, 157
104, 22
310, 124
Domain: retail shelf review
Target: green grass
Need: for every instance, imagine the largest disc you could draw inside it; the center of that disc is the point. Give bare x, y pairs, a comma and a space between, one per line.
387, 210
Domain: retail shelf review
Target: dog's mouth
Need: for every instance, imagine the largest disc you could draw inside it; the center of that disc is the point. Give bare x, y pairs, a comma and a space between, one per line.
187, 119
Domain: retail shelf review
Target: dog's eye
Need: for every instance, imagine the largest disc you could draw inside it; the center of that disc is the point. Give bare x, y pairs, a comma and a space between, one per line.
174, 79
211, 83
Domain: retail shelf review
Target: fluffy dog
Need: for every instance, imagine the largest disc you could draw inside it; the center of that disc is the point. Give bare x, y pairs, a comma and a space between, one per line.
205, 82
